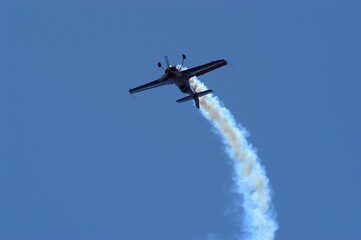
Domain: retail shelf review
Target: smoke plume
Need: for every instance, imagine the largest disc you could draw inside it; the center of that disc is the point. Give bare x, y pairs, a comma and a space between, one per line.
250, 179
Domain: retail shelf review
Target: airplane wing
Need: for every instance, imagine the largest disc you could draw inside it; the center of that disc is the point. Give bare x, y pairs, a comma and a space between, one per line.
156, 83
202, 69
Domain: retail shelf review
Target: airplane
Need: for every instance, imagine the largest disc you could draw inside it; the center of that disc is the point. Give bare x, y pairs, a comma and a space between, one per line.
180, 78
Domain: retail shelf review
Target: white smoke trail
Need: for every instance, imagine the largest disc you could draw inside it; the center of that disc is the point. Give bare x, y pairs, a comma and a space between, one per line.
250, 178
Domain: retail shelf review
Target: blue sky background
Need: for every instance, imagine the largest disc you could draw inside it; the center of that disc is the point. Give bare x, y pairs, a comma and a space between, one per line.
81, 159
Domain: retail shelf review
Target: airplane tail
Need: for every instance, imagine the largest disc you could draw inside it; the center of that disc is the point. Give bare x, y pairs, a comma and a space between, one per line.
195, 97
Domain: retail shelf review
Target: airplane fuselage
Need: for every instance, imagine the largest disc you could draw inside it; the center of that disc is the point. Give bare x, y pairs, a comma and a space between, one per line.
179, 79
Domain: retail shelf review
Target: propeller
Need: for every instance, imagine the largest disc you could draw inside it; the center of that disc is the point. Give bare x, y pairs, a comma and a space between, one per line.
183, 57
167, 61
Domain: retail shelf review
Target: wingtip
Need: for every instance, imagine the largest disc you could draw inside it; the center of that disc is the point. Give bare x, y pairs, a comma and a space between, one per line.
228, 62
131, 93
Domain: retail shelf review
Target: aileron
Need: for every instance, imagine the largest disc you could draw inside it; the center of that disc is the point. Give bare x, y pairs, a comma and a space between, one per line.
150, 85
202, 69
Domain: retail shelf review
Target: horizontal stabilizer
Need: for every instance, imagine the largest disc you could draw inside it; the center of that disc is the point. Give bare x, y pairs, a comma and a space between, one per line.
185, 99
190, 97
200, 94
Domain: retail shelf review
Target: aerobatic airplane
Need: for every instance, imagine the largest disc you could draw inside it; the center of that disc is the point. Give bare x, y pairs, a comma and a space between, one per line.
174, 75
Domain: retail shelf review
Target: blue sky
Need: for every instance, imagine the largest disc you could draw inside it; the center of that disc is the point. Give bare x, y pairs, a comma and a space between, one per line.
81, 159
